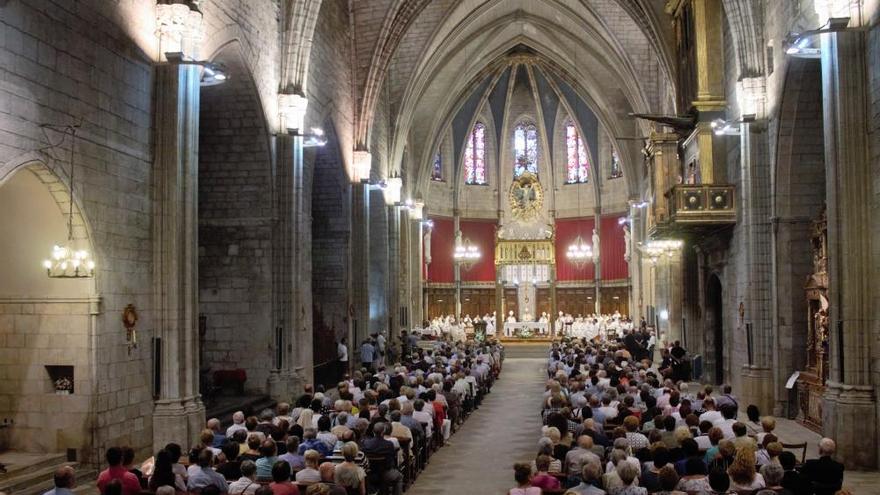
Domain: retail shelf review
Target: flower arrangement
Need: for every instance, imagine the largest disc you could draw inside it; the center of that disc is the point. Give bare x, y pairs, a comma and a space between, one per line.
64, 386
525, 333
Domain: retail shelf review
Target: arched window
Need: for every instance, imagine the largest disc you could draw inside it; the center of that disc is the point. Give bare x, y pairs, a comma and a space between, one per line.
437, 168
577, 166
475, 156
525, 149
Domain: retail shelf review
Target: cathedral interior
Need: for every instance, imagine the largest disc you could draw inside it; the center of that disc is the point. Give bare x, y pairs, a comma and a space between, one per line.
199, 193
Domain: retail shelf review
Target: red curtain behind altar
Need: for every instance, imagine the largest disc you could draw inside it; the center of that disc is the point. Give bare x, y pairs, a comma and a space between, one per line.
442, 243
612, 248
567, 231
482, 234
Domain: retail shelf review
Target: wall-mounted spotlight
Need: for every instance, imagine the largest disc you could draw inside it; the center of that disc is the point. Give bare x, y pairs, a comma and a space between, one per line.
212, 73
723, 127
799, 45
310, 140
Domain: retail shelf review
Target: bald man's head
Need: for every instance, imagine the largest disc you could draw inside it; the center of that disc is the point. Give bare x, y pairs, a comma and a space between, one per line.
585, 442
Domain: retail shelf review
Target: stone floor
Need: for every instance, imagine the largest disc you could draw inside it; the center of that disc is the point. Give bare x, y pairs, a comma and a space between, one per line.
480, 456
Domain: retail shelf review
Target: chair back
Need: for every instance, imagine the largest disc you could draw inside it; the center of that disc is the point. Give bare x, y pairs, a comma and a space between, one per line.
797, 446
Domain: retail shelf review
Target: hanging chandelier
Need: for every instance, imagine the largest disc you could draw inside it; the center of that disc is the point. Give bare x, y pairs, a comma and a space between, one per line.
465, 253
66, 261
655, 249
579, 252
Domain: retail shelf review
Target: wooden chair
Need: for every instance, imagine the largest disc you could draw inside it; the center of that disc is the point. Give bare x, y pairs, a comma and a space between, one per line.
378, 464
797, 446
407, 469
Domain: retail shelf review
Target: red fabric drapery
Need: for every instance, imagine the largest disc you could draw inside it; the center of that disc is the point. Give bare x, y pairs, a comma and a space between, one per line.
612, 248
567, 231
442, 243
482, 234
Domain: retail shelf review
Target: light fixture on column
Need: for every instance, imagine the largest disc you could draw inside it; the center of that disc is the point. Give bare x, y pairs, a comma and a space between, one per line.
656, 249
67, 259
723, 127
310, 140
799, 45
213, 73
391, 191
361, 165
579, 252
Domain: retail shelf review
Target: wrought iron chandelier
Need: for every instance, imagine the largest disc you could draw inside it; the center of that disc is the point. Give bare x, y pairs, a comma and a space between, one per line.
579, 252
66, 260
465, 253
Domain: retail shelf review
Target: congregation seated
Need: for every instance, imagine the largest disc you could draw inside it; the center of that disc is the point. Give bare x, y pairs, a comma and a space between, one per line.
381, 428
663, 438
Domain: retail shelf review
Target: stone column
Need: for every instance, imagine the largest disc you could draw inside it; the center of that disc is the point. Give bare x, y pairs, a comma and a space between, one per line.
635, 266
416, 269
456, 227
850, 409
360, 252
663, 157
394, 267
178, 414
757, 374
597, 262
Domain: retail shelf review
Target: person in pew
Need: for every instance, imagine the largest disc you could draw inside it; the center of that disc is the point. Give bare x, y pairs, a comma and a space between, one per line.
310, 473
591, 477
824, 473
230, 465
164, 475
247, 483
542, 479
349, 475
204, 475
522, 473
327, 484
281, 484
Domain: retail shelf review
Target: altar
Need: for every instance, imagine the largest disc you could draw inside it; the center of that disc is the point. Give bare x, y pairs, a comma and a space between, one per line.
536, 327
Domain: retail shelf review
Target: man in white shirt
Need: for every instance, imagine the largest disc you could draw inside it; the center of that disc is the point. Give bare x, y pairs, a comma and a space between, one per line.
380, 343
237, 424
342, 355
711, 415
422, 416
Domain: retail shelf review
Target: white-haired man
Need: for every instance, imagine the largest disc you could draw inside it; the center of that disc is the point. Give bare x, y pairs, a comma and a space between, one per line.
824, 473
237, 424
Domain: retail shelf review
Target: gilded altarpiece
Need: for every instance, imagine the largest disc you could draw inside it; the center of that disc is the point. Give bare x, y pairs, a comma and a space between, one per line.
811, 384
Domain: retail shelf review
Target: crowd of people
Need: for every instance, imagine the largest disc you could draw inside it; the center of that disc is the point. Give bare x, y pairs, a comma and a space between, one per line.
618, 424
374, 432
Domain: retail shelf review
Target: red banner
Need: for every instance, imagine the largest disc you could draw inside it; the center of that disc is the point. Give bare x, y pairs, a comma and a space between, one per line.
567, 231
481, 233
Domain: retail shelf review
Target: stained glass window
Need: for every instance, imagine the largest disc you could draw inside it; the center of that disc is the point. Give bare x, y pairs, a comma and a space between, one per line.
437, 168
525, 149
616, 171
577, 166
475, 156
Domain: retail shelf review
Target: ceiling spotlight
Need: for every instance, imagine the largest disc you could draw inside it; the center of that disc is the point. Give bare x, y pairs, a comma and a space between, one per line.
213, 73
798, 45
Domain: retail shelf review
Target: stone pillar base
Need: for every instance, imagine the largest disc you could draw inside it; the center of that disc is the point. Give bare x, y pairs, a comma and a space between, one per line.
178, 421
279, 385
757, 389
849, 418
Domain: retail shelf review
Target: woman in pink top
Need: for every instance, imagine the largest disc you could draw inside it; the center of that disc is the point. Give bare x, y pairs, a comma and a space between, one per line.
542, 479
523, 474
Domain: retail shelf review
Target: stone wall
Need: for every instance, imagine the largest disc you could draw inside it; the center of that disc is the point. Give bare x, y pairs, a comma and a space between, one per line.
235, 228
331, 232
63, 61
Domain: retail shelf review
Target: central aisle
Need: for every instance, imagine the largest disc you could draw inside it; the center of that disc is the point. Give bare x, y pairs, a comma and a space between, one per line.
505, 429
